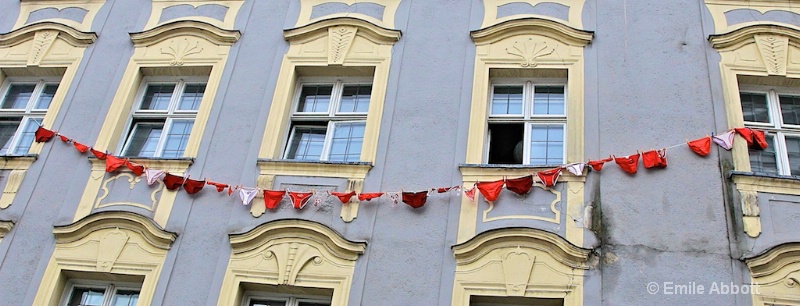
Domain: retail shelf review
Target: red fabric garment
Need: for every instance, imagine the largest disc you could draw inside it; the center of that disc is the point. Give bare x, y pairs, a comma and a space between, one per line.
113, 163
490, 190
63, 138
81, 147
747, 134
272, 198
299, 199
701, 146
344, 196
100, 155
415, 199
193, 186
444, 189
230, 190
549, 177
628, 164
655, 159
44, 135
220, 186
520, 185
136, 168
470, 193
173, 182
597, 165
755, 139
369, 196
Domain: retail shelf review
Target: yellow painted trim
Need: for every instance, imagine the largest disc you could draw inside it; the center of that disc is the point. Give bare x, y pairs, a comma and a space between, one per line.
92, 7
294, 253
107, 243
776, 274
767, 184
553, 209
368, 30
227, 22
543, 27
718, 8
70, 35
519, 262
5, 227
390, 9
184, 28
490, 7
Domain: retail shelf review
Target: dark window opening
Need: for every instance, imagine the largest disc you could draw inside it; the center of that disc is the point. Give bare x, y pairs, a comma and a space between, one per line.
505, 143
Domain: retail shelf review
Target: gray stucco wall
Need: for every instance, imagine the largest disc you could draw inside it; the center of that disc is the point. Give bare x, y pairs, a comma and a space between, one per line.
651, 80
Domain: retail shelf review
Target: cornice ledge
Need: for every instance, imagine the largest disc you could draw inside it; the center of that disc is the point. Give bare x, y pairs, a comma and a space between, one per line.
186, 27
369, 30
297, 229
5, 227
67, 33
351, 170
735, 37
772, 260
559, 248
151, 232
532, 25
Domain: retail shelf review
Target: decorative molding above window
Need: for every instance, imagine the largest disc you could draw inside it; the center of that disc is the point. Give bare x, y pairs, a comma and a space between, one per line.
5, 227
776, 275
569, 12
731, 15
219, 13
378, 12
77, 14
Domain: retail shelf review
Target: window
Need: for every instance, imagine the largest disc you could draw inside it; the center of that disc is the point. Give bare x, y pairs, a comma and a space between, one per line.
288, 301
778, 112
513, 301
101, 295
328, 121
21, 112
526, 122
281, 295
163, 119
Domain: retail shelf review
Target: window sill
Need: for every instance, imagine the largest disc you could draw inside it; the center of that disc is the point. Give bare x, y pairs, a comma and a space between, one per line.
17, 162
764, 182
350, 170
490, 172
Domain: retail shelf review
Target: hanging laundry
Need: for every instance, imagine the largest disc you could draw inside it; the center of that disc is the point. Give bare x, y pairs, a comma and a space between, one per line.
153, 175
445, 189
520, 185
99, 155
490, 190
655, 159
113, 163
273, 198
597, 165
81, 147
247, 195
755, 139
343, 196
173, 182
230, 190
369, 196
44, 135
394, 197
470, 193
576, 168
220, 186
550, 177
299, 199
193, 186
415, 199
137, 169
628, 164
725, 140
64, 138
701, 146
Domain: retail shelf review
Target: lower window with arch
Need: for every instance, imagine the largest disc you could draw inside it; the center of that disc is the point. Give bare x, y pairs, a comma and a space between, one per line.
271, 295
96, 293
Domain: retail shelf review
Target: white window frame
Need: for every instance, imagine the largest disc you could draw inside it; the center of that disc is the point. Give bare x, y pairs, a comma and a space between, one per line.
290, 299
109, 294
528, 118
169, 116
29, 113
776, 127
333, 116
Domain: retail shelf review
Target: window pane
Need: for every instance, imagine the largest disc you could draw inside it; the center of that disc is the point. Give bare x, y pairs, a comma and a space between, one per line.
177, 138
506, 143
547, 145
47, 96
307, 143
267, 303
754, 107
86, 297
144, 139
192, 95
347, 141
27, 136
7, 130
507, 100
315, 98
355, 98
548, 100
793, 149
313, 304
157, 97
18, 96
125, 298
790, 109
764, 161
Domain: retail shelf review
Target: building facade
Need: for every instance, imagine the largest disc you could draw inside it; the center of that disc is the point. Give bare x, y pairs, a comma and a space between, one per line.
279, 105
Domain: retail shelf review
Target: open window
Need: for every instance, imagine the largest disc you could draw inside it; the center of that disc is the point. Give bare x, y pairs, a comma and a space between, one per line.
22, 110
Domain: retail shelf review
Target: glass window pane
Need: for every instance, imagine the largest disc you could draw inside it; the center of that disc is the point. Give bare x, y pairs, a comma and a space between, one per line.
125, 298
157, 97
347, 141
7, 130
313, 304
315, 98
548, 100
191, 97
355, 98
177, 138
18, 96
547, 145
793, 149
764, 161
790, 109
27, 136
754, 107
86, 297
267, 303
47, 96
307, 143
143, 140
507, 100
